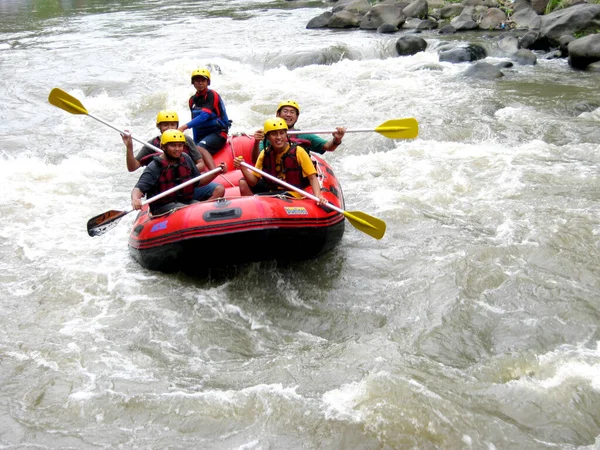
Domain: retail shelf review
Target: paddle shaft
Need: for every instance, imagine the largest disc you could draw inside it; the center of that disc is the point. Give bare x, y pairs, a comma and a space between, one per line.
147, 144
295, 132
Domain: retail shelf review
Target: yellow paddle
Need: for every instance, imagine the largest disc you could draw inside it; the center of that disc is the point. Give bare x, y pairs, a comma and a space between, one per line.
393, 129
370, 225
62, 100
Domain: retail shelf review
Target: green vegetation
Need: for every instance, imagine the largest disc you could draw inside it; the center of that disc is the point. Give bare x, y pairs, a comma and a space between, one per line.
583, 33
555, 4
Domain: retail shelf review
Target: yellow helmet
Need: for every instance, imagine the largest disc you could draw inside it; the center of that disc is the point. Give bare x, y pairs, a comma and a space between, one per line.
167, 116
274, 124
172, 136
201, 73
291, 103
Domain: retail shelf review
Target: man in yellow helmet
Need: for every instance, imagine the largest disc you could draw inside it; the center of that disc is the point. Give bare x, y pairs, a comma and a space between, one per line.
209, 123
168, 120
289, 110
171, 168
289, 163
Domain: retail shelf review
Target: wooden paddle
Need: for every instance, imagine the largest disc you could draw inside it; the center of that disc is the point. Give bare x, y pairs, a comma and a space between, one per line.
393, 129
62, 100
370, 225
101, 223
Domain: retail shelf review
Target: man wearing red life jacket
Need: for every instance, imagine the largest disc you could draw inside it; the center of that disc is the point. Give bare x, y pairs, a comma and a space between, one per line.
289, 110
168, 120
171, 168
289, 163
209, 123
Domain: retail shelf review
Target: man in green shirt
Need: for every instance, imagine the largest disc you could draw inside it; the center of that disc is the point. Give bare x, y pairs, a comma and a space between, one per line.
289, 110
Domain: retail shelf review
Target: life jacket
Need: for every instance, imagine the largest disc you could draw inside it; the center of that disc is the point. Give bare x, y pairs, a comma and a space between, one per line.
290, 168
304, 143
210, 102
156, 142
173, 174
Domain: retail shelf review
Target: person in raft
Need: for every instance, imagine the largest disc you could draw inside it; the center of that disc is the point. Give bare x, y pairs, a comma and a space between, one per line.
289, 110
209, 123
167, 170
288, 162
168, 120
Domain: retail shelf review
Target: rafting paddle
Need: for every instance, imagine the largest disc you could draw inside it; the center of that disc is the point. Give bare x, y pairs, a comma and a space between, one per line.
101, 223
62, 100
370, 225
393, 129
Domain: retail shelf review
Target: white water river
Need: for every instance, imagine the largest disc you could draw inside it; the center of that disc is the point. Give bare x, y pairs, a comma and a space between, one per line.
472, 324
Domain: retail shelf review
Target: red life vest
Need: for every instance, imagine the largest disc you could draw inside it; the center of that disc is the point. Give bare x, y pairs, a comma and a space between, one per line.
173, 174
290, 168
304, 143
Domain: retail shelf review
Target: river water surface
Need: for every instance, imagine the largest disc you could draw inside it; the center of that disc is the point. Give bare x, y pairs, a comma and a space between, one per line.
472, 324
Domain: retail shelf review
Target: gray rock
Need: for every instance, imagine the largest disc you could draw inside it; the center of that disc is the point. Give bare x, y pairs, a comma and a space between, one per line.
578, 18
483, 71
387, 28
344, 19
564, 42
418, 8
410, 44
358, 7
493, 19
447, 29
472, 52
380, 14
584, 51
526, 18
508, 45
449, 11
320, 21
525, 57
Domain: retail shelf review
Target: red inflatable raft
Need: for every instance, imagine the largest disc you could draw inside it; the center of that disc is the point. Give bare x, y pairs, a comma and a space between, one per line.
235, 229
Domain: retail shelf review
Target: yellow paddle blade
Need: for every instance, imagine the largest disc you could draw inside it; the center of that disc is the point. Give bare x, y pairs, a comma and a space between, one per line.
62, 100
399, 128
373, 226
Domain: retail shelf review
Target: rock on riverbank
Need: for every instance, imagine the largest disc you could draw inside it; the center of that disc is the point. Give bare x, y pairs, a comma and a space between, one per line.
572, 32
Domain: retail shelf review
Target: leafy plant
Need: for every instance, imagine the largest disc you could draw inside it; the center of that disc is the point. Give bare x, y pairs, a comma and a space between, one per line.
553, 5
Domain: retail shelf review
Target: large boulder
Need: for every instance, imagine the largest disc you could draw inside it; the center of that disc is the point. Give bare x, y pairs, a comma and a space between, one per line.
465, 21
526, 18
344, 19
525, 57
508, 45
356, 6
410, 44
584, 51
483, 71
380, 14
418, 8
493, 19
451, 10
471, 52
575, 19
321, 21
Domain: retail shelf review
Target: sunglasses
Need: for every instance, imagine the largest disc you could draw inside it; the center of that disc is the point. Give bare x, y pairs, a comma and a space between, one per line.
202, 79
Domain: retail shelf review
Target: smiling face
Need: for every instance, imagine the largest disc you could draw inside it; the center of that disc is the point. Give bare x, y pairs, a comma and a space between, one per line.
289, 114
173, 150
278, 139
